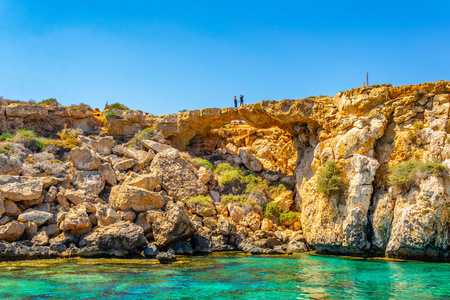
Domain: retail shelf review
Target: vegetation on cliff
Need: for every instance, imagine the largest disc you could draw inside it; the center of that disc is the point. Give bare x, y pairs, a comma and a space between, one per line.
409, 173
117, 106
330, 182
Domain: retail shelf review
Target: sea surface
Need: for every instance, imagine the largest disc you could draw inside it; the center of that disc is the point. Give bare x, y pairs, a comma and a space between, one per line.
225, 276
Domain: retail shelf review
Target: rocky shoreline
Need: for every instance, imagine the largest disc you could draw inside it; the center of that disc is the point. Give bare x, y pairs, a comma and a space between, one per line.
79, 182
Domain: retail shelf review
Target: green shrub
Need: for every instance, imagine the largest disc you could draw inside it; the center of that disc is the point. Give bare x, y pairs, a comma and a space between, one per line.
272, 210
146, 134
117, 106
4, 150
419, 125
201, 200
330, 181
30, 139
200, 162
229, 175
49, 101
6, 136
254, 184
111, 114
239, 200
277, 190
408, 173
287, 217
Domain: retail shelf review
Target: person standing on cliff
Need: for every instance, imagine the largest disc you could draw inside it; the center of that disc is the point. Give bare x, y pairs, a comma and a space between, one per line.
235, 101
241, 100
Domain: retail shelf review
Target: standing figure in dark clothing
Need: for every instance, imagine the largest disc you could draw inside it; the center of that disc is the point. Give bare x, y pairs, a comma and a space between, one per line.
235, 101
241, 100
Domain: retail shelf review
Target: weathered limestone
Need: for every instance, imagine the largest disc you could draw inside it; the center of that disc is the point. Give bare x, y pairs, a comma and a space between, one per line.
84, 158
174, 226
138, 199
177, 181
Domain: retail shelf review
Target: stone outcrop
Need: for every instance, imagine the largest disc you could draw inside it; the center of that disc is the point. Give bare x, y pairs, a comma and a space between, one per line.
174, 226
180, 183
364, 131
126, 197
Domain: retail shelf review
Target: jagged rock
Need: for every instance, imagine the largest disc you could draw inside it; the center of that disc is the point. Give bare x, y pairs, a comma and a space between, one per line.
226, 226
84, 158
105, 215
136, 154
75, 196
251, 162
285, 200
76, 218
22, 191
253, 221
41, 239
155, 146
236, 212
123, 236
177, 181
9, 165
174, 226
151, 250
108, 174
126, 197
145, 181
65, 238
124, 164
266, 225
146, 219
417, 230
11, 231
166, 257
127, 215
4, 220
210, 222
203, 175
31, 215
90, 181
172, 153
11, 208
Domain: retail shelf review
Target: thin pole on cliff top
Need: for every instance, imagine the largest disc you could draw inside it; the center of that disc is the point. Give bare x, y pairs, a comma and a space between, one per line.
367, 79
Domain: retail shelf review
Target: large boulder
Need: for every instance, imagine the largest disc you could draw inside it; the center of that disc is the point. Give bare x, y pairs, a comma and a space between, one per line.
32, 215
250, 161
180, 183
9, 165
105, 214
75, 219
174, 226
22, 191
84, 158
92, 182
11, 231
122, 236
124, 197
145, 181
155, 146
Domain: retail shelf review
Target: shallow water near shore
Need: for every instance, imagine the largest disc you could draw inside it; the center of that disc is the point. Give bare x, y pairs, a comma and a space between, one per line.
225, 276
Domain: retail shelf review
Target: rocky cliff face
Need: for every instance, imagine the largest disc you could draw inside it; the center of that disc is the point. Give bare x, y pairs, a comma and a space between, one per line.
365, 131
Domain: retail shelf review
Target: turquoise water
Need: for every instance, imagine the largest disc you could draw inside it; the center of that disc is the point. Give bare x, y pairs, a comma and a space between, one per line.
225, 276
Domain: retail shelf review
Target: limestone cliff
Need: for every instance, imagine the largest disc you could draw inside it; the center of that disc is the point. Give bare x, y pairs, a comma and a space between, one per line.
365, 131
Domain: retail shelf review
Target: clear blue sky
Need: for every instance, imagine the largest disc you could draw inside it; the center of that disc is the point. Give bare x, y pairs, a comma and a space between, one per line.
164, 56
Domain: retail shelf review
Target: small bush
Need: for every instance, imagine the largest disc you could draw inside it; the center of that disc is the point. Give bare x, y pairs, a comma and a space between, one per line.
254, 184
275, 191
409, 173
229, 175
239, 200
111, 114
29, 139
201, 200
67, 133
4, 150
204, 163
117, 106
330, 181
272, 210
6, 136
419, 125
49, 101
288, 217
